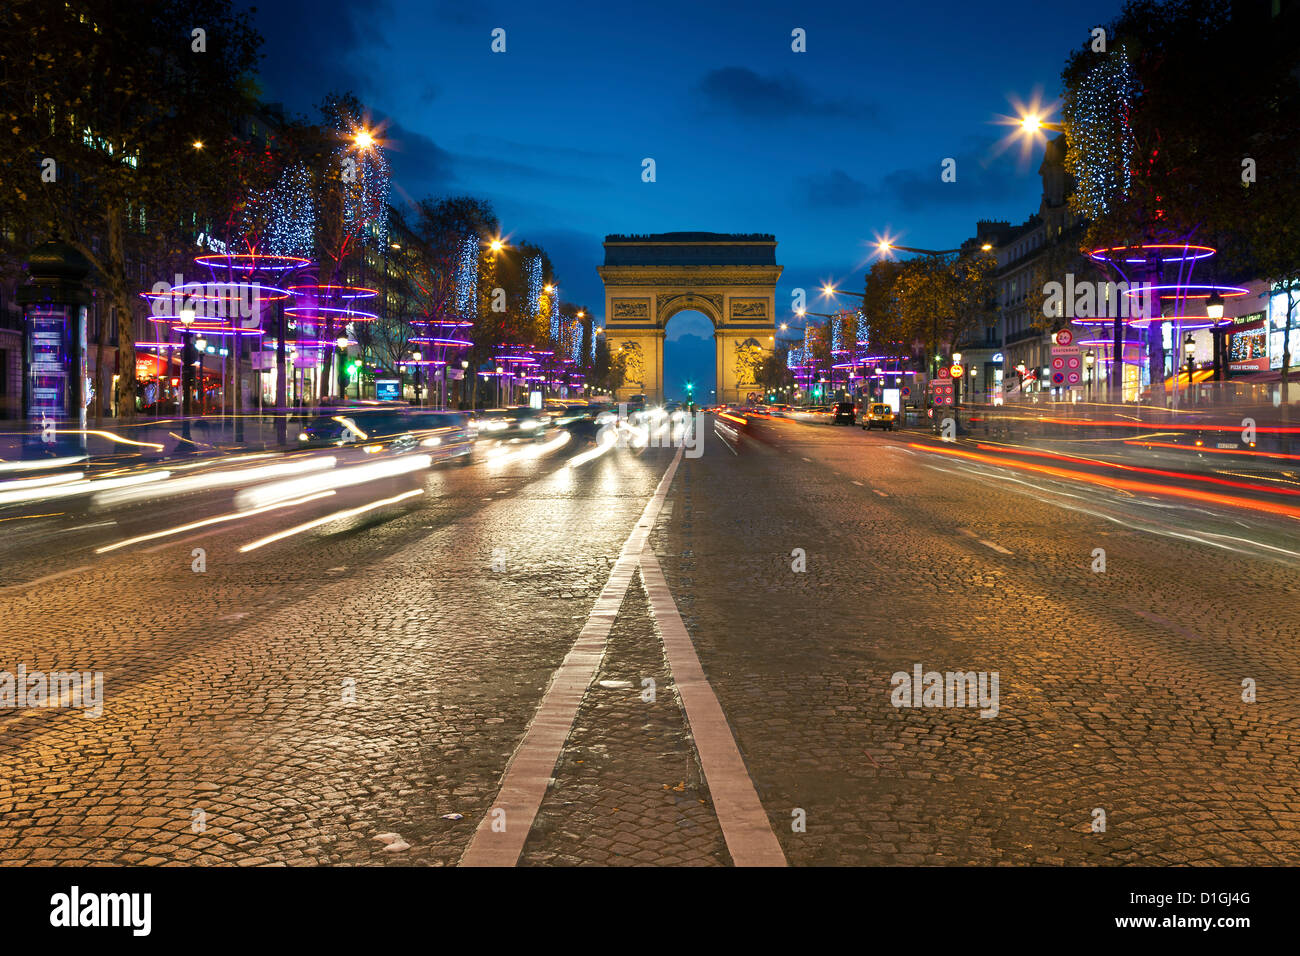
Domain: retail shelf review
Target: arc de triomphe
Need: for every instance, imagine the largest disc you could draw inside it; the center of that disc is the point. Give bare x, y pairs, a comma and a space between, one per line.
729, 278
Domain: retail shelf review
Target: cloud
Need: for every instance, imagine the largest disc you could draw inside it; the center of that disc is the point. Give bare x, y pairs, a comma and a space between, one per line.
836, 188
979, 181
420, 166
337, 32
742, 92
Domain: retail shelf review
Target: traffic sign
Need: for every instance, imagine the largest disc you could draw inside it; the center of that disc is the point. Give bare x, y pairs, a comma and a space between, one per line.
955, 371
1063, 337
942, 373
905, 391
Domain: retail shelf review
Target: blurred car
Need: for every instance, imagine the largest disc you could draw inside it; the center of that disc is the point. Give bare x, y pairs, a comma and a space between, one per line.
845, 412
878, 414
519, 421
440, 434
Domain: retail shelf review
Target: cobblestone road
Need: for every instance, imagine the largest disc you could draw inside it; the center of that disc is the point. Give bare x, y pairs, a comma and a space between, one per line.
354, 695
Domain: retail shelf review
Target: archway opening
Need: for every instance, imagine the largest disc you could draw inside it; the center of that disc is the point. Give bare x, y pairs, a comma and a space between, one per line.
690, 359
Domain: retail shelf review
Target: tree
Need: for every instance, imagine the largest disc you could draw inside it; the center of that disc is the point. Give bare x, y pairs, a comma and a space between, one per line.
773, 372
882, 306
608, 370
1167, 147
103, 103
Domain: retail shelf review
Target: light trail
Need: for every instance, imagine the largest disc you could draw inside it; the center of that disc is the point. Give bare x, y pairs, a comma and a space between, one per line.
1211, 451
40, 463
606, 443
336, 516
533, 451
194, 525
1146, 471
212, 480
339, 478
1205, 497
78, 488
19, 483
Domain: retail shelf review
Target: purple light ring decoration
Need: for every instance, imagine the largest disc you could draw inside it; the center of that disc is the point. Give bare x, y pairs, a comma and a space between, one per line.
454, 343
1180, 290
315, 290
1104, 255
273, 263
310, 314
221, 330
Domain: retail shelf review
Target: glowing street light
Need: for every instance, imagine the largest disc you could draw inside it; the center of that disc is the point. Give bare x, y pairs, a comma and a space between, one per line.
1214, 306
363, 139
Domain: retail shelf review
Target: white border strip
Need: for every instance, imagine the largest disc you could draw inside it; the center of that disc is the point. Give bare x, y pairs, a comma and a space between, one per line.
744, 823
499, 839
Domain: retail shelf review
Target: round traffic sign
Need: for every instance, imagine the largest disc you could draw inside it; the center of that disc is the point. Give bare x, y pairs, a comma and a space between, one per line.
905, 391
1058, 362
1064, 337
1073, 378
1073, 362
942, 373
1058, 378
955, 371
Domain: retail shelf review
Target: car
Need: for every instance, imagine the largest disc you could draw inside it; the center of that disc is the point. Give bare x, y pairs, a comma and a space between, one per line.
844, 412
878, 413
393, 428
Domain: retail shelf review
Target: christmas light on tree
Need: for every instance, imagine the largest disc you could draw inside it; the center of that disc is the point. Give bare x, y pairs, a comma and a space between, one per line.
1097, 115
292, 227
467, 278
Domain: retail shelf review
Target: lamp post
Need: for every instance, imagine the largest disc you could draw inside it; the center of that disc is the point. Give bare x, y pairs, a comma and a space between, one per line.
1214, 312
200, 348
500, 370
1089, 361
417, 356
1189, 347
342, 343
1021, 369
187, 363
464, 370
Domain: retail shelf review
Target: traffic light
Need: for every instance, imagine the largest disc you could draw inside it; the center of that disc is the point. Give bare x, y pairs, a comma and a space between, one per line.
690, 387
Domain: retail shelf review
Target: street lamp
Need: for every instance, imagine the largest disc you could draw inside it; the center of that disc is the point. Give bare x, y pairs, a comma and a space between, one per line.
1214, 306
1089, 360
342, 343
1189, 347
500, 370
417, 356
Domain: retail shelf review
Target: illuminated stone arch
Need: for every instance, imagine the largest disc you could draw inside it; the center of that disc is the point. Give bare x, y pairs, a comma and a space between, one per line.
729, 278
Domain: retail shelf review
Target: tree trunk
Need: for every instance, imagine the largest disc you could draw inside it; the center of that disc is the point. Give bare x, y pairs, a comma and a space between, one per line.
117, 283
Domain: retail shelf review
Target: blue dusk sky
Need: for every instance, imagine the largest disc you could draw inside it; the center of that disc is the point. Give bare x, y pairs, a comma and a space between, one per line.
826, 149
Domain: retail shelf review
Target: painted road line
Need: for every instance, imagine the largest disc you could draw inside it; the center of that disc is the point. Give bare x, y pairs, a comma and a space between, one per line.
744, 823
984, 541
879, 492
859, 484
500, 836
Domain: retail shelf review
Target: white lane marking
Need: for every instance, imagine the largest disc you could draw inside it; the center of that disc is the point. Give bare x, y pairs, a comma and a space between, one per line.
531, 766
744, 823
879, 492
859, 484
984, 541
809, 460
